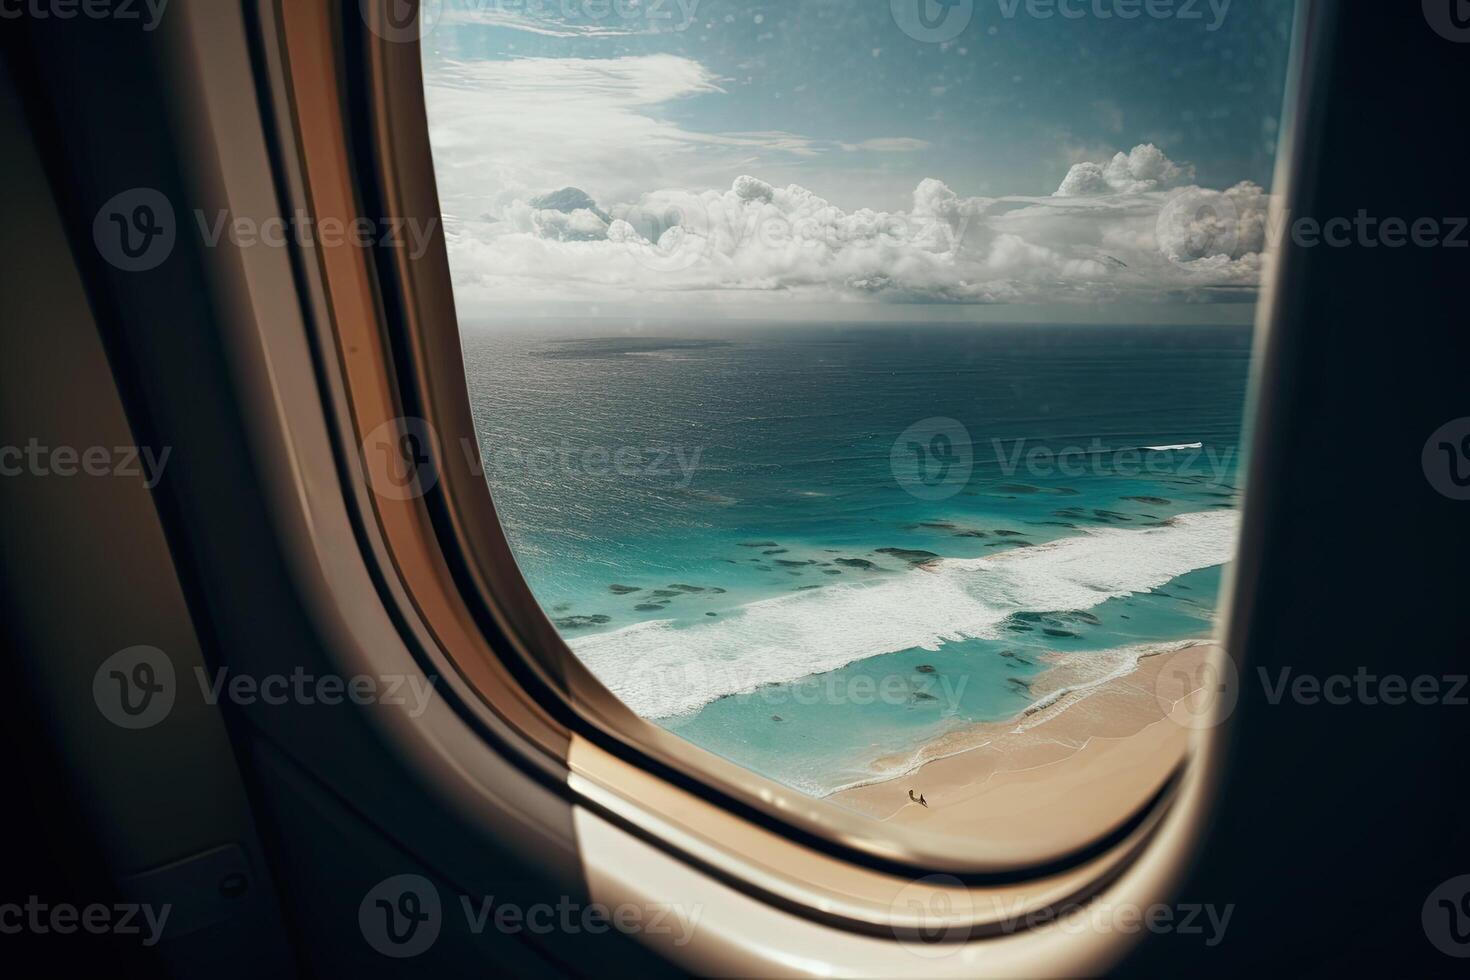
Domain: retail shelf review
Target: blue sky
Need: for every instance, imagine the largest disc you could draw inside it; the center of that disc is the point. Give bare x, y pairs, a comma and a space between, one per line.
655, 108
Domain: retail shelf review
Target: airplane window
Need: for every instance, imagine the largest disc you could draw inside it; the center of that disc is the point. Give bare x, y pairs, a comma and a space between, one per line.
861, 386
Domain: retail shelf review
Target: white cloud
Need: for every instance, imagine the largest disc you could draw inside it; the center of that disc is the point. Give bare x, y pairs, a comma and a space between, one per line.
755, 242
545, 167
495, 16
508, 130
560, 18
891, 144
504, 130
1144, 168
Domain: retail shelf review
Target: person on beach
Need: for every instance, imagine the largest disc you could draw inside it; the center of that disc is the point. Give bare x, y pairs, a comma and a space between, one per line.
918, 799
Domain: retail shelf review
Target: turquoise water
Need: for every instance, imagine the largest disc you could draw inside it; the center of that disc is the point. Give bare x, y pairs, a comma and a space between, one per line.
809, 548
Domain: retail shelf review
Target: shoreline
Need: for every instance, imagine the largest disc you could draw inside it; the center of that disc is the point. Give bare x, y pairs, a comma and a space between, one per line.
1064, 683
892, 613
1095, 743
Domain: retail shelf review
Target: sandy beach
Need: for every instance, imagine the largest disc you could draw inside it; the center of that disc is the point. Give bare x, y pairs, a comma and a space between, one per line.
1087, 758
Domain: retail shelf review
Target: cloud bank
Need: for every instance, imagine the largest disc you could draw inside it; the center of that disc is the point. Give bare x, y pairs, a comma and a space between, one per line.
545, 189
1089, 242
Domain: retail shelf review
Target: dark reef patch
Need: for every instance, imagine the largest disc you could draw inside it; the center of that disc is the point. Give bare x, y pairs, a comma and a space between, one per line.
911, 555
581, 622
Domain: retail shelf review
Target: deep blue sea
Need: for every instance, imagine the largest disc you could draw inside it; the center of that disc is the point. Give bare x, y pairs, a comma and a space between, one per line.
809, 548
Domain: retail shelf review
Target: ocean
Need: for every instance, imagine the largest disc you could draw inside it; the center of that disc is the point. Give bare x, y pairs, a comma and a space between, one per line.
812, 549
